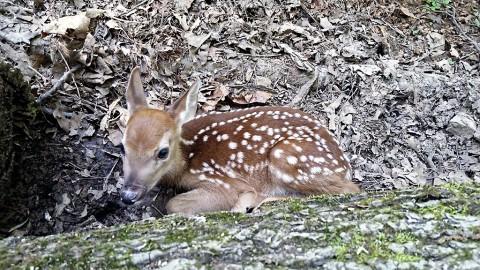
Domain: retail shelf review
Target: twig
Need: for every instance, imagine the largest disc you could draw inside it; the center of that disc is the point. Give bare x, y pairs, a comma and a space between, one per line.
460, 29
308, 13
259, 55
84, 100
39, 74
133, 9
398, 31
42, 98
50, 112
105, 182
68, 67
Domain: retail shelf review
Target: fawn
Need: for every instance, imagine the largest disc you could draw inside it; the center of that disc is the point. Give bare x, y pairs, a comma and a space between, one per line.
228, 161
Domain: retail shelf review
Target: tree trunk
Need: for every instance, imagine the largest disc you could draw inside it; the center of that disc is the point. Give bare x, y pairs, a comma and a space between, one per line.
16, 110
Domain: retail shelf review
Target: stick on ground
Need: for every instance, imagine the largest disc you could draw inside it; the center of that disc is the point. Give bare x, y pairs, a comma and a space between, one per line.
43, 97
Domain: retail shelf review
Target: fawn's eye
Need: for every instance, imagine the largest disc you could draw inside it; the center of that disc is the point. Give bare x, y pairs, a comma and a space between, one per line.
163, 153
122, 149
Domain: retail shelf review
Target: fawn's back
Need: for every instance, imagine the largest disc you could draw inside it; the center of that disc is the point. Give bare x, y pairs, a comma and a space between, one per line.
228, 161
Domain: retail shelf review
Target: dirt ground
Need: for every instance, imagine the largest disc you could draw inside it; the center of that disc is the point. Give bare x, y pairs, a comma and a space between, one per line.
396, 81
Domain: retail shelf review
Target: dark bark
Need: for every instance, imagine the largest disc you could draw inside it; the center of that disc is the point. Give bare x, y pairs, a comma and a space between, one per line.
16, 111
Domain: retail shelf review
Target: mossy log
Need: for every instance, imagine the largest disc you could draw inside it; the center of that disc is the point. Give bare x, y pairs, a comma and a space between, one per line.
15, 103
424, 228
17, 109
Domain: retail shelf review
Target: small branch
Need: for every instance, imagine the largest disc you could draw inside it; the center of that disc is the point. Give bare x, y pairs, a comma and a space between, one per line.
50, 112
105, 181
452, 16
43, 97
38, 73
460, 29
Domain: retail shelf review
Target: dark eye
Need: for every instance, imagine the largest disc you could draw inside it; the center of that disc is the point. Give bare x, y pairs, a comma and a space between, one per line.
122, 149
163, 153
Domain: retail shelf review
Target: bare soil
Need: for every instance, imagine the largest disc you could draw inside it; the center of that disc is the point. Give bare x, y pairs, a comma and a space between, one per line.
397, 82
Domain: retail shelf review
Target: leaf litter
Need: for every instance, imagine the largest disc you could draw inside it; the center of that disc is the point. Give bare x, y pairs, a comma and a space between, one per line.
393, 81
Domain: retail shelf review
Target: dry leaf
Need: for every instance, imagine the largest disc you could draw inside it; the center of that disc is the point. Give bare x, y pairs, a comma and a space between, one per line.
104, 121
263, 81
183, 5
112, 24
115, 137
325, 24
366, 69
196, 40
89, 132
407, 12
454, 52
69, 25
255, 97
75, 24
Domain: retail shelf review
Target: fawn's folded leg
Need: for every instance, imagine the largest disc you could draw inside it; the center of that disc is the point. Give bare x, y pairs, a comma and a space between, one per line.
205, 199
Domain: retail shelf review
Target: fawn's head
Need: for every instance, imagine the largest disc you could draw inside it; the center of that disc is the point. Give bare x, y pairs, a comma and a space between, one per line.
151, 142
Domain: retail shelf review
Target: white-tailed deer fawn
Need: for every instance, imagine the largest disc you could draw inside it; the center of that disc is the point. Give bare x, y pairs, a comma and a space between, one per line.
227, 161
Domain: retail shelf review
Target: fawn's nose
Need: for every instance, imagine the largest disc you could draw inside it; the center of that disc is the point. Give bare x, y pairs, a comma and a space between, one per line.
131, 194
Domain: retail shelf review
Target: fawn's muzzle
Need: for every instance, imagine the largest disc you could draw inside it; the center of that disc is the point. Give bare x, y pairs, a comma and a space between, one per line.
131, 194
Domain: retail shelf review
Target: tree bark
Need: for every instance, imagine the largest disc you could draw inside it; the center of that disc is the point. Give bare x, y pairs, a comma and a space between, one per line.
424, 228
16, 110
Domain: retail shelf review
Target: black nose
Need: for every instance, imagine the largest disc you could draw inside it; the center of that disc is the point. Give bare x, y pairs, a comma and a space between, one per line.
130, 194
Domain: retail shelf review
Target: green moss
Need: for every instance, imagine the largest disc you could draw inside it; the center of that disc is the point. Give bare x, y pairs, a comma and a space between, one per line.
402, 237
400, 257
363, 248
180, 235
225, 217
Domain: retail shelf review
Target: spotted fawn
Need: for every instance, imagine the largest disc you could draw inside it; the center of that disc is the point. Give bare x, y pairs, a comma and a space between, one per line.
227, 161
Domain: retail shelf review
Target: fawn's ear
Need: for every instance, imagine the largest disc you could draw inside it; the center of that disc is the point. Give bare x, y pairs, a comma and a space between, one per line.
135, 96
185, 108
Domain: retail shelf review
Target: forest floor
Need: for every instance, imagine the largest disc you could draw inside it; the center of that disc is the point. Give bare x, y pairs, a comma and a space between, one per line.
398, 84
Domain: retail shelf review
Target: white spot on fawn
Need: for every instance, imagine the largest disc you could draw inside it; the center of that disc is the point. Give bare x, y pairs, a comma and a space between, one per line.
315, 170
298, 148
281, 175
292, 160
232, 145
256, 138
278, 153
240, 157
